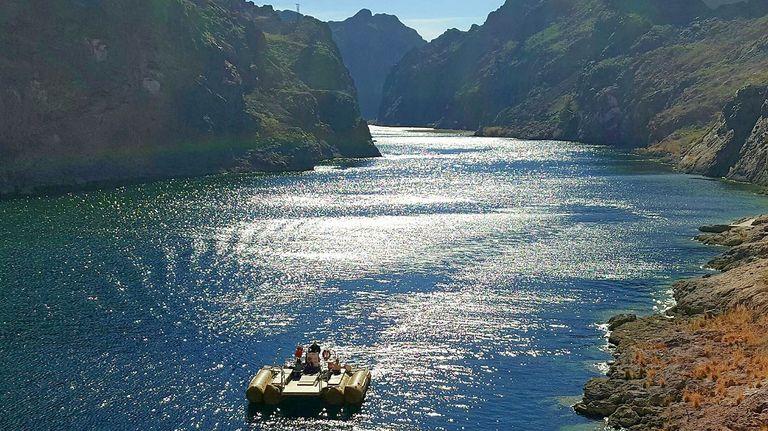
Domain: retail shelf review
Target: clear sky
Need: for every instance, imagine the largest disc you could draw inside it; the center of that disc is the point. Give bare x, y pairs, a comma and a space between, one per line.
429, 17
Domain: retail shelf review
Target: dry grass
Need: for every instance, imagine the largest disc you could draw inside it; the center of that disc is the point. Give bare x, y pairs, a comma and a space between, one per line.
693, 398
732, 358
740, 358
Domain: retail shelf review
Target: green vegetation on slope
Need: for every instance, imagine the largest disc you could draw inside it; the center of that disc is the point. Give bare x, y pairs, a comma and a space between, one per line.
629, 73
116, 90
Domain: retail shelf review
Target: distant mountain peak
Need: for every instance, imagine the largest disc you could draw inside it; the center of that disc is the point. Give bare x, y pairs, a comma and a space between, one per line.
371, 45
364, 13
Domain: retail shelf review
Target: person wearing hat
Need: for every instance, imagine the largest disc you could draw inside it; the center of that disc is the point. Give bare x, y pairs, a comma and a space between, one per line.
314, 348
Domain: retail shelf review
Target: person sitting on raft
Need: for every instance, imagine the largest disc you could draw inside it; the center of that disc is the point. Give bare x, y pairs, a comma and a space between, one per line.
313, 359
298, 367
334, 367
313, 363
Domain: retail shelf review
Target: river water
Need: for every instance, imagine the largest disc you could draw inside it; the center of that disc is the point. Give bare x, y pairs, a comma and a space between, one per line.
469, 273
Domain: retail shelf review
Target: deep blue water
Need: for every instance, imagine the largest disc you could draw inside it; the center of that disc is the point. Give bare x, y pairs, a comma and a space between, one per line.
469, 273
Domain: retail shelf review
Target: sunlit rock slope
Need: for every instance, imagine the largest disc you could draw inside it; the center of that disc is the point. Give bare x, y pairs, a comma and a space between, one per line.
650, 73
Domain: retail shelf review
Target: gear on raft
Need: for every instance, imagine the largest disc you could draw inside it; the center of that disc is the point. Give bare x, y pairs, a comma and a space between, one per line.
322, 379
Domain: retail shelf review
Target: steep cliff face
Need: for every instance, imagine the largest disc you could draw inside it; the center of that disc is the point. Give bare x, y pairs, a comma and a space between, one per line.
115, 90
371, 45
629, 73
737, 146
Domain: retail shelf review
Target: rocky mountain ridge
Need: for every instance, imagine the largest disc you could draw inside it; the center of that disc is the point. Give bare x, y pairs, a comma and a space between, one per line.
634, 74
371, 45
113, 91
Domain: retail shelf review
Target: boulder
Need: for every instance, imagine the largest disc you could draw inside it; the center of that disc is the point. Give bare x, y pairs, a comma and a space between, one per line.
598, 401
715, 228
616, 321
624, 417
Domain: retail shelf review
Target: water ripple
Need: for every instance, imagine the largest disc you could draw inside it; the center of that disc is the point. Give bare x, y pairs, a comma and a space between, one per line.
469, 273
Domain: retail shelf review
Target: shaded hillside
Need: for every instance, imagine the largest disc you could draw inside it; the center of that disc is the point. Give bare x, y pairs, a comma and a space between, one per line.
629, 73
371, 45
118, 90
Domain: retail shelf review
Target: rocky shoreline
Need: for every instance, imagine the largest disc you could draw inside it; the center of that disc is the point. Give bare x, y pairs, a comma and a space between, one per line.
703, 365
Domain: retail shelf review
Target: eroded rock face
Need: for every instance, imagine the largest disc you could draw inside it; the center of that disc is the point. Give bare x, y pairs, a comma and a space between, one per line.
744, 281
102, 91
728, 144
744, 267
752, 164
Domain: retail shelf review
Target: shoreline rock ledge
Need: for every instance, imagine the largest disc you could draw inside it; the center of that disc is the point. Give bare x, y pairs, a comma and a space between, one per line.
702, 365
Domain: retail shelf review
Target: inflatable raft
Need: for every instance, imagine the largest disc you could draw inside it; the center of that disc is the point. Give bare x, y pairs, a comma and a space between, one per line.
324, 381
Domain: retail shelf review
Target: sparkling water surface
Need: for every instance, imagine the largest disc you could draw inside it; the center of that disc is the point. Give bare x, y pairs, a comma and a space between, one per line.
469, 273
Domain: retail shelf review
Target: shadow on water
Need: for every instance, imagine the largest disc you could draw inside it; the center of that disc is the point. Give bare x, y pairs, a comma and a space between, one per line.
303, 409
